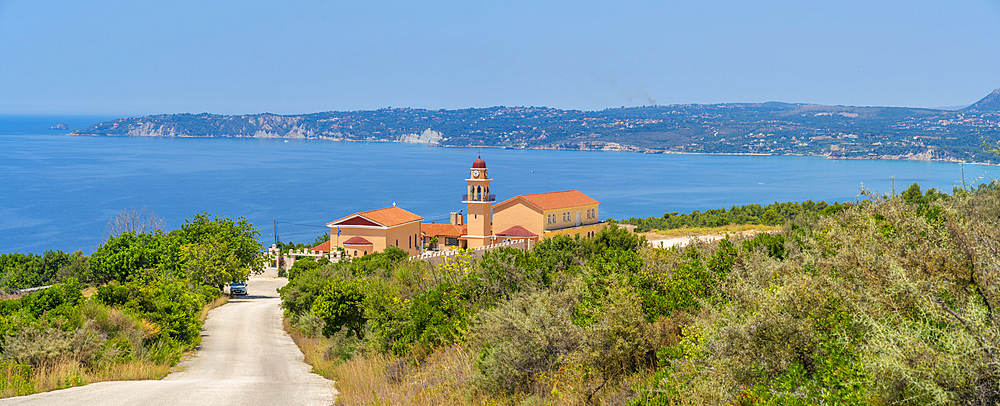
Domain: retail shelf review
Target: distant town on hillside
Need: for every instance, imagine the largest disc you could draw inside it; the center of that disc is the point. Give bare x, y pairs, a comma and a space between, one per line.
731, 128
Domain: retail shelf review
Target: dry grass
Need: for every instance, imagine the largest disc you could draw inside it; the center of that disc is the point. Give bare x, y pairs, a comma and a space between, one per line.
219, 301
71, 373
315, 350
442, 379
89, 291
445, 377
9, 296
377, 379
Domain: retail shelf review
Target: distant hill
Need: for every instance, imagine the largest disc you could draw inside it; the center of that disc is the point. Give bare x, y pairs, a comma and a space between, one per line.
729, 128
990, 103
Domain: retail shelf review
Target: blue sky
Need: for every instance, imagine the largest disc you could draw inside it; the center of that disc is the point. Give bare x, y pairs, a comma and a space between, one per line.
288, 57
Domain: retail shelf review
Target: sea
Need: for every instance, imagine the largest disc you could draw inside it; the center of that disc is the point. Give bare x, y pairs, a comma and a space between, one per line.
59, 191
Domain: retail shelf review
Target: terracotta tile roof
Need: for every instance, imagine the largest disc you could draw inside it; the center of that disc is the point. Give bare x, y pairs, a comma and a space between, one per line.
555, 200
357, 241
388, 217
446, 230
517, 231
324, 247
479, 163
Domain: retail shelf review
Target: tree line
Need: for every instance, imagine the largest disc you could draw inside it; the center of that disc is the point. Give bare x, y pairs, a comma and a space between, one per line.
145, 294
774, 214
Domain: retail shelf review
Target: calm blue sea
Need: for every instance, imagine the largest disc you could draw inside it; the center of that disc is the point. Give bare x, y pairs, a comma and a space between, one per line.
58, 191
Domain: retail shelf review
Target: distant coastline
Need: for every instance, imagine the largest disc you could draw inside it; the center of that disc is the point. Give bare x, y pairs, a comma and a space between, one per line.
773, 128
618, 148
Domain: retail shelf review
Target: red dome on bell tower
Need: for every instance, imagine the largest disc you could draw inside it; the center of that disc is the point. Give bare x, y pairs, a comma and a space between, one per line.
479, 164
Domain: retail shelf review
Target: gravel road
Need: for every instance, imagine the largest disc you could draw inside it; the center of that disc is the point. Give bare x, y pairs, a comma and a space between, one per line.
245, 359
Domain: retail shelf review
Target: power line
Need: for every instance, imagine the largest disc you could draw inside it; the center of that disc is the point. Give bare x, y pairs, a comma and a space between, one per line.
300, 224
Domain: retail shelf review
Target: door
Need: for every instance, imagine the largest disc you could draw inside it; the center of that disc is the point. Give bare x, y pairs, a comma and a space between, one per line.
579, 219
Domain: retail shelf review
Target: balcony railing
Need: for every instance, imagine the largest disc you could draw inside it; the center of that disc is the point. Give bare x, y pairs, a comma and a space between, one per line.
480, 198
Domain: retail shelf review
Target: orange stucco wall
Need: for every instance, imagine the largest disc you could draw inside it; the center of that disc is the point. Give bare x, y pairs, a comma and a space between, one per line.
584, 230
571, 222
479, 224
518, 214
407, 235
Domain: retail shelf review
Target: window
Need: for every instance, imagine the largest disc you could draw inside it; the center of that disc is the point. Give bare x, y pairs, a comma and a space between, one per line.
411, 241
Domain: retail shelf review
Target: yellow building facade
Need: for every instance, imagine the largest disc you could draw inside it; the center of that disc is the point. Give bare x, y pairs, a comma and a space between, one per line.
372, 231
530, 218
549, 214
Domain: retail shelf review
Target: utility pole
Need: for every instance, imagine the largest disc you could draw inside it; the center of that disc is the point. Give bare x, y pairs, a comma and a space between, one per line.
277, 261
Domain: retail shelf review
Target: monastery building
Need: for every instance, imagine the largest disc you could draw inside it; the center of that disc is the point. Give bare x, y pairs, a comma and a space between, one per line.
521, 218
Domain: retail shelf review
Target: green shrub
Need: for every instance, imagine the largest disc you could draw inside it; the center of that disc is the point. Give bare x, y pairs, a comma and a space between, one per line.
561, 253
503, 272
527, 335
309, 324
15, 379
388, 317
438, 317
298, 295
619, 341
774, 244
168, 303
660, 292
128, 254
20, 271
49, 345
340, 305
60, 301
302, 265
240, 237
377, 264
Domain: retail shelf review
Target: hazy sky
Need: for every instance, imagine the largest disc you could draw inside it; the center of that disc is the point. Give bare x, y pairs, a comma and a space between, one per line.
232, 57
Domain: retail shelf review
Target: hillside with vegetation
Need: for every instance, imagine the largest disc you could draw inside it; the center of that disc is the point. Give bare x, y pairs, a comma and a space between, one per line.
892, 300
128, 311
729, 128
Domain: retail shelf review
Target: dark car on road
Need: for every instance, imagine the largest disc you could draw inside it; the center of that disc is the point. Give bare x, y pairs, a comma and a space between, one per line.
238, 288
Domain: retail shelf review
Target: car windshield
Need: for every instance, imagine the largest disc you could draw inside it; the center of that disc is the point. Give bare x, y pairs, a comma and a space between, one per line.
238, 284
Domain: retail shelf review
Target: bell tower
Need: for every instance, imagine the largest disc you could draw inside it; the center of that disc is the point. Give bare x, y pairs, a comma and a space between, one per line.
479, 201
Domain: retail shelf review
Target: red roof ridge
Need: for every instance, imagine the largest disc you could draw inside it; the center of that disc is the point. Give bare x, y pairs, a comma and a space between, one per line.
449, 230
387, 217
554, 200
324, 247
517, 231
357, 241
